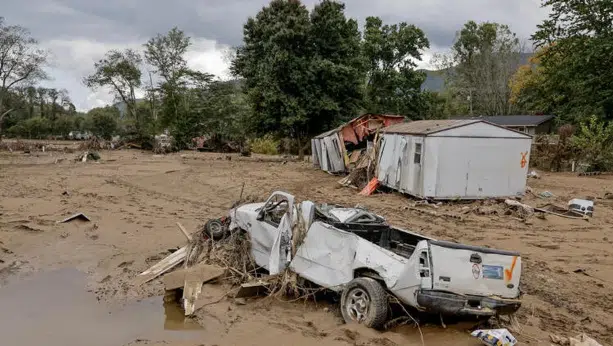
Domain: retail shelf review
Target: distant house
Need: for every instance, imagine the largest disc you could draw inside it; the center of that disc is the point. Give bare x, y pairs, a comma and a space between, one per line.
529, 124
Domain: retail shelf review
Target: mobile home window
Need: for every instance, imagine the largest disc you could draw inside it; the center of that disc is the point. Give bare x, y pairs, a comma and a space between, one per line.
417, 156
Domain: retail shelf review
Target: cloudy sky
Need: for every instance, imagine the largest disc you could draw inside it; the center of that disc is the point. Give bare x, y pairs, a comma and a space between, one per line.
79, 32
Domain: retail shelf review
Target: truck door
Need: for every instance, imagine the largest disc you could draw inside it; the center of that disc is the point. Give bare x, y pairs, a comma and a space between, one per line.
416, 275
269, 229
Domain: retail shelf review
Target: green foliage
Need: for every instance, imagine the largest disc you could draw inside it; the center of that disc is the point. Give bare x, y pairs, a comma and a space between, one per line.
37, 127
303, 72
21, 63
274, 61
63, 125
181, 89
483, 60
225, 112
337, 68
267, 145
393, 85
432, 105
120, 71
103, 122
577, 64
594, 143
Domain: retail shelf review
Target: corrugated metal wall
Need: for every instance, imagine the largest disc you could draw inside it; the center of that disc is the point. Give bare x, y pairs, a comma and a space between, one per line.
397, 166
327, 154
469, 162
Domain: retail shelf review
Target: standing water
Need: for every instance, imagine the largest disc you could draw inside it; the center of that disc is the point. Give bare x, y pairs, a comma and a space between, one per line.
55, 309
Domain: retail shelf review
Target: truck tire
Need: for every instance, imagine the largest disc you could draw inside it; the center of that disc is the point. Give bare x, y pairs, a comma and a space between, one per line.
364, 301
215, 229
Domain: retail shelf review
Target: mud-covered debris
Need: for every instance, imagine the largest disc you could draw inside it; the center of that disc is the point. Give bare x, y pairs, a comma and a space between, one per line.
523, 211
202, 272
497, 337
579, 340
581, 206
77, 216
561, 212
534, 175
546, 194
252, 289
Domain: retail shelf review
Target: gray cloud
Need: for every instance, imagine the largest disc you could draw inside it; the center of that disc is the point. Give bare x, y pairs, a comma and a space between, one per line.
84, 29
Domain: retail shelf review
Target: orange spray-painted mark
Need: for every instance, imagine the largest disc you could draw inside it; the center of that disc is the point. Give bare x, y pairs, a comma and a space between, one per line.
508, 273
523, 159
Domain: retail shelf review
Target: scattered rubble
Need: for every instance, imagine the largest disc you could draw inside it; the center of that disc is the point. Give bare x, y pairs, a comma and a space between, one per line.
534, 175
92, 156
579, 340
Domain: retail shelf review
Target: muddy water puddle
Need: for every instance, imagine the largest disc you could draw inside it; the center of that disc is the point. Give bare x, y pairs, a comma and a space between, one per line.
55, 309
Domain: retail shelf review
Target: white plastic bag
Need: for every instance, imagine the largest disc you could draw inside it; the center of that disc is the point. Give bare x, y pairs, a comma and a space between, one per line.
495, 337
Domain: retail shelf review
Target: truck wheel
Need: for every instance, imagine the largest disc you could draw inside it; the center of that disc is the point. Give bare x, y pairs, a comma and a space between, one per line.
364, 301
215, 229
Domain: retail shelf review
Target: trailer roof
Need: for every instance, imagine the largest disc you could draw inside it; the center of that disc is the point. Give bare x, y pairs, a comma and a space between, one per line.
426, 127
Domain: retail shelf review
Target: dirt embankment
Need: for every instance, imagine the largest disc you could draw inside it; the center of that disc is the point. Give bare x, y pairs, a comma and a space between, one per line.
134, 200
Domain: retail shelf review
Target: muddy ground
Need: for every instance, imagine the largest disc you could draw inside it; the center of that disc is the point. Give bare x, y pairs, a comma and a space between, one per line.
135, 198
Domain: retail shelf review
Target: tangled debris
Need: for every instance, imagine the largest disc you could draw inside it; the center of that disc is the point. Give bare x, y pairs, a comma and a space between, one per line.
88, 156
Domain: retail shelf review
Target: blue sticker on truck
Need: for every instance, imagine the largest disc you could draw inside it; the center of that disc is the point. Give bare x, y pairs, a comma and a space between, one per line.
492, 272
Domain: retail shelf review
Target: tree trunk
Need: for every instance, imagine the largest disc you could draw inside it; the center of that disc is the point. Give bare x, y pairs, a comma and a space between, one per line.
1, 119
300, 148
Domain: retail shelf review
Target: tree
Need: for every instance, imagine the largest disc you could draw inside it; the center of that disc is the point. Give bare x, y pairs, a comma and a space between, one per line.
21, 62
303, 72
275, 63
482, 61
37, 127
226, 112
393, 85
530, 90
120, 71
63, 125
577, 64
337, 69
104, 121
166, 53
181, 88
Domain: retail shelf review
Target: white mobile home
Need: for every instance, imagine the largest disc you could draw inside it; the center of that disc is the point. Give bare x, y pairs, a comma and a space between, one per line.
451, 159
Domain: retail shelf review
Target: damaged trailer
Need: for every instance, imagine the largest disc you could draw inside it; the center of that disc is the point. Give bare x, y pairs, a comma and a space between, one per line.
454, 159
356, 253
330, 150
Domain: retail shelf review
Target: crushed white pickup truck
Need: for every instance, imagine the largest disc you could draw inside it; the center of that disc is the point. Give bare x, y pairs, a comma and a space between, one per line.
356, 253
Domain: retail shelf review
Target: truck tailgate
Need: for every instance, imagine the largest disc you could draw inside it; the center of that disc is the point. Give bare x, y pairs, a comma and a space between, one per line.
465, 269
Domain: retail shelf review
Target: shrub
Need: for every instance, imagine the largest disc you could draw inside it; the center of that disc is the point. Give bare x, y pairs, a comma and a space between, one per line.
594, 143
267, 145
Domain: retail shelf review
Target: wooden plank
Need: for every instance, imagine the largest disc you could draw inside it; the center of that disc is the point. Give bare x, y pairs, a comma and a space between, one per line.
162, 266
191, 292
187, 235
203, 272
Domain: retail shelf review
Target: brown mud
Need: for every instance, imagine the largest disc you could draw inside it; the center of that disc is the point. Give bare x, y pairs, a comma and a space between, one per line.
134, 200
